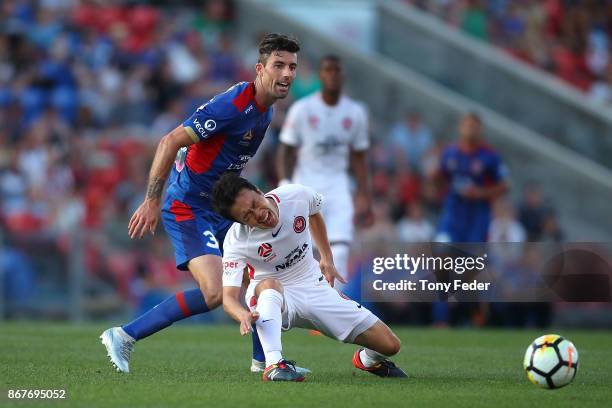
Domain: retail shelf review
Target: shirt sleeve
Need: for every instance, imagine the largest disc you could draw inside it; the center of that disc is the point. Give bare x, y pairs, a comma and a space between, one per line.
210, 119
233, 270
234, 260
315, 200
361, 140
291, 132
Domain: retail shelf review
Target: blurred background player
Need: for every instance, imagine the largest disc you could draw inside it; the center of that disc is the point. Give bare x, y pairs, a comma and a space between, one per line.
476, 176
325, 134
222, 135
272, 240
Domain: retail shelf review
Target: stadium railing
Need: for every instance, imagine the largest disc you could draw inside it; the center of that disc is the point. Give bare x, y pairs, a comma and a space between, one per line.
487, 75
389, 88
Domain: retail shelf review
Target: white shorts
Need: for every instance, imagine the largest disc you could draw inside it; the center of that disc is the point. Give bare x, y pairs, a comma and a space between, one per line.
338, 215
320, 307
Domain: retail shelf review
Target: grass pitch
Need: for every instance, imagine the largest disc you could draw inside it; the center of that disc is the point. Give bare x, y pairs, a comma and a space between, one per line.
207, 366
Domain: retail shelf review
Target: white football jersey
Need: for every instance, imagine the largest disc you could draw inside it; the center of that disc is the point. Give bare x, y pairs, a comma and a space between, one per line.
283, 252
324, 135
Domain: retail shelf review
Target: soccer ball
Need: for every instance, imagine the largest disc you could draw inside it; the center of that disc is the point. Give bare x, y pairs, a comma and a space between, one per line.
551, 361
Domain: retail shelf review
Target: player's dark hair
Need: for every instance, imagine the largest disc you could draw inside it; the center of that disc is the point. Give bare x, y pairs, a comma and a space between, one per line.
475, 116
330, 58
225, 191
276, 42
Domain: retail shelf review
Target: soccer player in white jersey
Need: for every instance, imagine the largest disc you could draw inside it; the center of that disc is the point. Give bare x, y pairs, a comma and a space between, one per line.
268, 251
324, 134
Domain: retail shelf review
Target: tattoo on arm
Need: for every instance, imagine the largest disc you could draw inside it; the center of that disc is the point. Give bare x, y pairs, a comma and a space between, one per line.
155, 188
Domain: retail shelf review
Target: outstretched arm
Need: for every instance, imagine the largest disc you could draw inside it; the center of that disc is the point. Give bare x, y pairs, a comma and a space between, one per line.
233, 307
319, 236
146, 217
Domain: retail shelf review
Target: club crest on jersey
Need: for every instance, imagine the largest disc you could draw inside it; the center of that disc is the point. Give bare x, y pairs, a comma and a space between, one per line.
265, 251
299, 224
347, 123
313, 121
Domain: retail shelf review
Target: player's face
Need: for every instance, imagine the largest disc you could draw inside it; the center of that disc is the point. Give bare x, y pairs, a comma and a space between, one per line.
469, 129
253, 209
331, 75
278, 73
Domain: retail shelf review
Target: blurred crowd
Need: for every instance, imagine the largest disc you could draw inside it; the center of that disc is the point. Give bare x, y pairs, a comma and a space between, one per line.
87, 89
570, 38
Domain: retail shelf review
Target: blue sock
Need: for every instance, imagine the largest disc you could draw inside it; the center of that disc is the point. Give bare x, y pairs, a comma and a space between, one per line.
258, 353
177, 307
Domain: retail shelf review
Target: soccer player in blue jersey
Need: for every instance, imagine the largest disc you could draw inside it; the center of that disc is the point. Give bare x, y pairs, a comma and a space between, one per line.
476, 175
221, 136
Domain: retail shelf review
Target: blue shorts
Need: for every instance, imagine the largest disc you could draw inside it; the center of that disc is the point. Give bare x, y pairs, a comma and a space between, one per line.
193, 231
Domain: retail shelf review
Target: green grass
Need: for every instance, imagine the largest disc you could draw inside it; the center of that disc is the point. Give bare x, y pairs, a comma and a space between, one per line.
207, 366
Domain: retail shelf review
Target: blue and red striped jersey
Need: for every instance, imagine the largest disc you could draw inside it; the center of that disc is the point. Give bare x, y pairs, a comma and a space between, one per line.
228, 128
481, 167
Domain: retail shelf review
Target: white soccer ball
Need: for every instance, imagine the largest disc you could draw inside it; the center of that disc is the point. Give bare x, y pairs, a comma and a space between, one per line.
551, 361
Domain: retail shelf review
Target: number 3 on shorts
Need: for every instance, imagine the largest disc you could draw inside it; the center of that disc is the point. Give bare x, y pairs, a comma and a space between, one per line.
212, 241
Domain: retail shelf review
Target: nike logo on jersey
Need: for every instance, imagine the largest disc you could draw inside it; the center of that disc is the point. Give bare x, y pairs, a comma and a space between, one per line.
274, 234
267, 320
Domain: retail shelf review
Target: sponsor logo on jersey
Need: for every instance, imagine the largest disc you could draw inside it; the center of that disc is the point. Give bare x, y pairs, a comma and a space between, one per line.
244, 159
199, 127
299, 224
294, 257
210, 125
330, 144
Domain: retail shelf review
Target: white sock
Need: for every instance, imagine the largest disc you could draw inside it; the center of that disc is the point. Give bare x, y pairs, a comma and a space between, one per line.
370, 358
341, 257
269, 306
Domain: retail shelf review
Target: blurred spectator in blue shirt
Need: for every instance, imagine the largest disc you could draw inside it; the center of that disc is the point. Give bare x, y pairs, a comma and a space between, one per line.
411, 139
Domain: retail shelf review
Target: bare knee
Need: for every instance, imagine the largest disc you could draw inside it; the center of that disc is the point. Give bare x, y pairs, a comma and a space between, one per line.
381, 339
391, 345
268, 284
